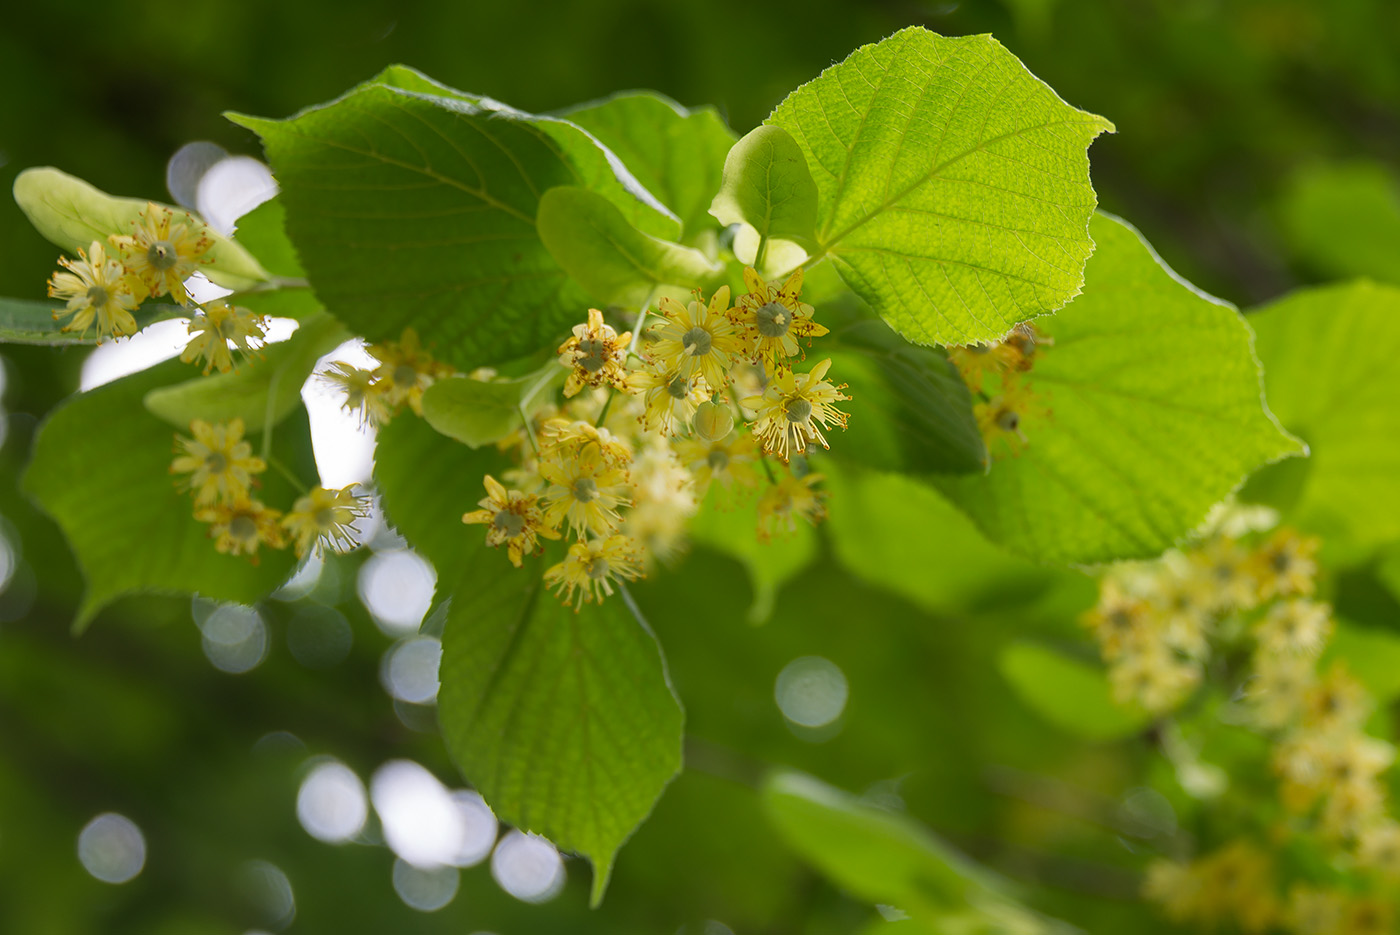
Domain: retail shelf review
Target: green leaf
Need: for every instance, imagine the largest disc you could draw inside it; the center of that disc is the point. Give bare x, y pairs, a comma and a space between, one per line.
596, 167
732, 529
678, 154
953, 185
1344, 219
477, 412
24, 322
263, 232
565, 722
613, 261
768, 186
426, 482
258, 391
1155, 415
72, 214
1370, 654
101, 469
1332, 371
416, 210
909, 410
884, 857
1069, 693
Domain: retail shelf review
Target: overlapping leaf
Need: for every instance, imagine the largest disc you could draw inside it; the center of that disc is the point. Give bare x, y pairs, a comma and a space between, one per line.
953, 185
1332, 369
101, 469
23, 322
1156, 413
565, 722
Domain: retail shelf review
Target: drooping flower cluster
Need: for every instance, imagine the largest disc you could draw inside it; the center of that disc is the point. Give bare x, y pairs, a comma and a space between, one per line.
1242, 606
997, 374
405, 369
221, 474
106, 284
648, 428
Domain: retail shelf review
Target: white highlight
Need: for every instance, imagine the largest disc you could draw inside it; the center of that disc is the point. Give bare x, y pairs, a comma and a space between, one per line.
397, 588
811, 691
422, 824
112, 848
426, 890
478, 828
410, 670
234, 638
231, 188
331, 803
528, 867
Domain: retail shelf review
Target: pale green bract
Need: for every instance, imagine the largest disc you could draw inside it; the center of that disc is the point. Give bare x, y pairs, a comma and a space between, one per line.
1155, 413
953, 185
768, 186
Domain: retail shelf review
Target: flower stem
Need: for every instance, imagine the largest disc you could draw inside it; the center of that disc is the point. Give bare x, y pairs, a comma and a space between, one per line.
286, 472
598, 423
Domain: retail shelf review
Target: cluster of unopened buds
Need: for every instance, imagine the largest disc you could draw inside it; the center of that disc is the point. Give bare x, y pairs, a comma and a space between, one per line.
998, 375
648, 426
1159, 625
107, 283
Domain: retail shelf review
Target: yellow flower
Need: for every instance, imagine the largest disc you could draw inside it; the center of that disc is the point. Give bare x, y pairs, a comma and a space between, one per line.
1275, 694
98, 291
790, 498
696, 339
364, 394
405, 370
790, 409
568, 437
733, 461
1378, 849
1285, 565
218, 324
163, 251
590, 568
1002, 419
1314, 911
773, 318
596, 355
663, 499
220, 463
324, 518
238, 528
1119, 621
1176, 887
670, 399
1153, 676
1227, 574
585, 490
1338, 702
513, 519
1014, 353
1298, 627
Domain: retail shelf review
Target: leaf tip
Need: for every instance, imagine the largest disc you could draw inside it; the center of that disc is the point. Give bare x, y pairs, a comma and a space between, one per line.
602, 873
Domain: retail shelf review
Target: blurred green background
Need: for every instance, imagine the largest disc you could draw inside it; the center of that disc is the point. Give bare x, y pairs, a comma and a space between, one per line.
1256, 141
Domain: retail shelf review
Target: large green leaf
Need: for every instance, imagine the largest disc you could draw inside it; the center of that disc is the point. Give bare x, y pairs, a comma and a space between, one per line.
426, 482
24, 322
616, 263
1332, 369
1069, 693
411, 209
261, 390
1345, 219
101, 469
1156, 415
954, 185
477, 412
886, 858
565, 722
678, 154
72, 214
768, 186
909, 410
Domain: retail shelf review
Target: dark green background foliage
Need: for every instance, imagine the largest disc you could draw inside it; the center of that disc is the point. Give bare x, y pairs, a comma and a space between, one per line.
1252, 139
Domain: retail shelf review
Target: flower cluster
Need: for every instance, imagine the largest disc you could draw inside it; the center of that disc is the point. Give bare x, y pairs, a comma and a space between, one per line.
220, 472
648, 428
998, 375
1246, 610
405, 369
106, 284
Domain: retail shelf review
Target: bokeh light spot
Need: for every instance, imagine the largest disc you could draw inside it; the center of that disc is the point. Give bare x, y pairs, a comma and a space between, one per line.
811, 691
528, 867
112, 848
331, 803
426, 890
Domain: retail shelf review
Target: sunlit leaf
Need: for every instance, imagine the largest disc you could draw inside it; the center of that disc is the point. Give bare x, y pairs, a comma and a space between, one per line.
1332, 370
477, 412
565, 722
953, 185
768, 186
24, 322
1155, 414
72, 214
616, 263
